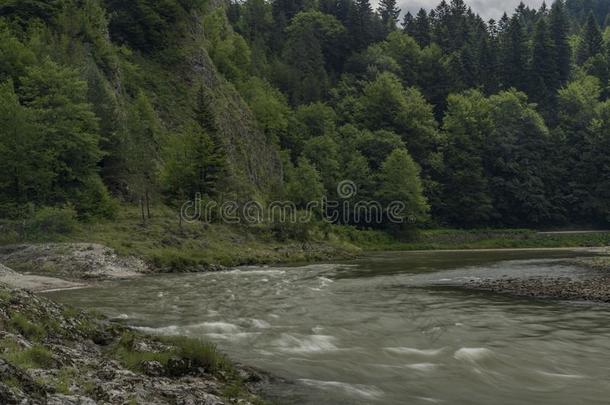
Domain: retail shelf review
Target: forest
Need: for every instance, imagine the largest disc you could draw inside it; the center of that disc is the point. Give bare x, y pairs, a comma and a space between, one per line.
471, 123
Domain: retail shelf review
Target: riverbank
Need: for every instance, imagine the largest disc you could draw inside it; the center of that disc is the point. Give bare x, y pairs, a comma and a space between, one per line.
592, 285
166, 244
477, 239
53, 354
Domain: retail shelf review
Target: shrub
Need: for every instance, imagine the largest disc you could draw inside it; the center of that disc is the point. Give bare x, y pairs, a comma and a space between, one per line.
36, 356
54, 220
181, 355
26, 328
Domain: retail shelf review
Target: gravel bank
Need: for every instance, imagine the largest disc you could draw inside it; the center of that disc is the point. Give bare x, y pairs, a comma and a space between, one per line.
592, 285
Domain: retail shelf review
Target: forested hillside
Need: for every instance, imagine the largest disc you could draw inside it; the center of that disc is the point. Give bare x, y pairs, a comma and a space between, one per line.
471, 123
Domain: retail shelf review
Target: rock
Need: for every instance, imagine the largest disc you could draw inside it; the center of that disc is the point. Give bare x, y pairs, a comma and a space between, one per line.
75, 261
58, 399
74, 369
152, 368
177, 367
9, 396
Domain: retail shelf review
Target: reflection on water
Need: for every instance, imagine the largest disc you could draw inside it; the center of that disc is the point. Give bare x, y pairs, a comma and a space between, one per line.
380, 330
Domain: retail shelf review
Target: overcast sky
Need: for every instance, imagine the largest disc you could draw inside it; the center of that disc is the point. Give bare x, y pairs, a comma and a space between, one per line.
486, 8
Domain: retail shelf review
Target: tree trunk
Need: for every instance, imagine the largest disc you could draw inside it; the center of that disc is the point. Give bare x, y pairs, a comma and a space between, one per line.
148, 205
142, 210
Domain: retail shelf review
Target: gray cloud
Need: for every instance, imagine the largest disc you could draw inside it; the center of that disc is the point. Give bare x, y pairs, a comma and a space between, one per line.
486, 8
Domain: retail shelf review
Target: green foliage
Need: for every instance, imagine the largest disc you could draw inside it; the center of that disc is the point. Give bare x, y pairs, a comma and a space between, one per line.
54, 220
27, 328
269, 106
145, 24
313, 50
303, 183
26, 167
121, 96
228, 50
399, 178
181, 356
388, 106
36, 356
516, 149
592, 42
466, 198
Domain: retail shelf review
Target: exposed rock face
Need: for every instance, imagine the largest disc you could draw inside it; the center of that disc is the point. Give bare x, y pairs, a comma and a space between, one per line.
73, 261
53, 355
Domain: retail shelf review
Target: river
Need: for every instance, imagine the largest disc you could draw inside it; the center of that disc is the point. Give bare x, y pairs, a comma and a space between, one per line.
389, 328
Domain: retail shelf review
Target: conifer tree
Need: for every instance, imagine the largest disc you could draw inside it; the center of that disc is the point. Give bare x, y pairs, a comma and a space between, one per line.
592, 41
515, 56
421, 30
389, 14
560, 27
544, 71
408, 23
211, 170
360, 24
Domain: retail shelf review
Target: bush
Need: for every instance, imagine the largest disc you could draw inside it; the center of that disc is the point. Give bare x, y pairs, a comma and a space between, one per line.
92, 200
36, 356
62, 220
181, 356
26, 328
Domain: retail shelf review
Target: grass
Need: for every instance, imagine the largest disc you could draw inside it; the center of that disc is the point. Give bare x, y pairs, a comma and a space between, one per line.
64, 380
6, 295
27, 328
170, 246
437, 239
36, 356
191, 354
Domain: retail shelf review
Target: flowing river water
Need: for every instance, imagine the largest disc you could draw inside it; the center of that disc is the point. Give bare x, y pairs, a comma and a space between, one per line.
390, 328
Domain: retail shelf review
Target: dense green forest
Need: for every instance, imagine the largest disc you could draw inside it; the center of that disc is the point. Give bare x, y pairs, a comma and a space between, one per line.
471, 123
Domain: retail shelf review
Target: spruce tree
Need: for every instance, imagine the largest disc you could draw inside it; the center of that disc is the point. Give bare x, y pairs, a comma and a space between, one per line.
360, 24
592, 41
544, 71
560, 27
213, 169
515, 53
421, 31
389, 14
408, 23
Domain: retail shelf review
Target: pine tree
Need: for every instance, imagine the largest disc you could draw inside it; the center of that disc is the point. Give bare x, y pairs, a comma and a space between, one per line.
560, 27
458, 28
421, 31
389, 14
360, 24
592, 41
408, 23
211, 171
515, 54
544, 70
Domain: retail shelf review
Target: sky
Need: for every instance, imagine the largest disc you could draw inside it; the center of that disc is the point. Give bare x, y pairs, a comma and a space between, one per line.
486, 8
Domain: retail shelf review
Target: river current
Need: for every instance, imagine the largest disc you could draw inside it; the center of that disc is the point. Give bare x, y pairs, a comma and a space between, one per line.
390, 328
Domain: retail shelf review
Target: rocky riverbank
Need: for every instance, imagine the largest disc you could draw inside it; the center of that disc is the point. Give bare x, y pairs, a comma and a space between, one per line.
51, 354
71, 261
592, 285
